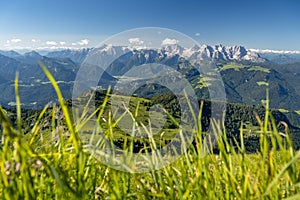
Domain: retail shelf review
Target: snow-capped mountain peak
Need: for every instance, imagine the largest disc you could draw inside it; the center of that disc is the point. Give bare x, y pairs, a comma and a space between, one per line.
217, 52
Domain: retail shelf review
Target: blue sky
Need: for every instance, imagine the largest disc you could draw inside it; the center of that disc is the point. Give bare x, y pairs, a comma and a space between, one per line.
53, 23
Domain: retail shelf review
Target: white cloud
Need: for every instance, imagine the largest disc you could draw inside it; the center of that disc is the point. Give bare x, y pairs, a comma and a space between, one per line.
34, 43
83, 42
51, 43
197, 34
136, 41
15, 40
35, 40
169, 41
54, 47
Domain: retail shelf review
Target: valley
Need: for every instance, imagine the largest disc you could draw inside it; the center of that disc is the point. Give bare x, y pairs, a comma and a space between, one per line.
246, 75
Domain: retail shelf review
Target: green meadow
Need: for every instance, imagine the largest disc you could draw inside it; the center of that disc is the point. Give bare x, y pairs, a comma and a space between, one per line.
52, 158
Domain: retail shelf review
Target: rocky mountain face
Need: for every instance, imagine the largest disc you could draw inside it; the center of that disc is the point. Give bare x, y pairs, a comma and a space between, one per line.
216, 53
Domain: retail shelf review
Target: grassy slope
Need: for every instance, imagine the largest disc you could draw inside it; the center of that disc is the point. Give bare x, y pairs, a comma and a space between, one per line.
61, 168
54, 170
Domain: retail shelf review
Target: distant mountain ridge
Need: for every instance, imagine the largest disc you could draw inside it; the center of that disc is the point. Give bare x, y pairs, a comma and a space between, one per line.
217, 52
203, 52
75, 55
279, 56
282, 58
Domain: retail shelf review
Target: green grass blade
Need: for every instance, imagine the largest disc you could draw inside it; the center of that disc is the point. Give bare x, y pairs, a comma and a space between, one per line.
69, 121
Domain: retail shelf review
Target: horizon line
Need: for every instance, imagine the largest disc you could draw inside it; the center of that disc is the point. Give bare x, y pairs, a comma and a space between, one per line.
23, 50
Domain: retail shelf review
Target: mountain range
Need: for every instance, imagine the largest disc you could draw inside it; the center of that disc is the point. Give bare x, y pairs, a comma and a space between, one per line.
203, 52
246, 74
